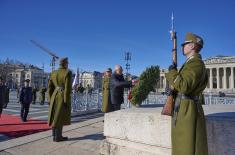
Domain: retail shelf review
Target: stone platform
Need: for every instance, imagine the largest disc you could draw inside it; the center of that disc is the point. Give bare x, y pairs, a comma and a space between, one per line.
145, 131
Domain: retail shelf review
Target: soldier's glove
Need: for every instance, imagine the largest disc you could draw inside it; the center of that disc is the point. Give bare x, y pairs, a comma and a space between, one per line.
172, 67
169, 91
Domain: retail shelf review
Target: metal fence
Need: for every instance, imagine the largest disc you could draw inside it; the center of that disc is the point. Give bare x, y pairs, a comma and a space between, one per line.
86, 101
219, 100
93, 101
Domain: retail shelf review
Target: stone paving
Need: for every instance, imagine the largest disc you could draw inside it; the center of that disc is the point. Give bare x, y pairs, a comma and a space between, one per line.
84, 139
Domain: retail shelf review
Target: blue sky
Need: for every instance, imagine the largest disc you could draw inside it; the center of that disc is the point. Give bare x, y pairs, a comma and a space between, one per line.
94, 34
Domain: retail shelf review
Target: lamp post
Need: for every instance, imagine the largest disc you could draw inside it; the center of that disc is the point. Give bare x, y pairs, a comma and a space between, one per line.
127, 59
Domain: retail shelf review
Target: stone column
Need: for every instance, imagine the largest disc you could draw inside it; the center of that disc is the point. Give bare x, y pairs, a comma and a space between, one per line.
232, 78
164, 82
225, 79
160, 82
218, 78
211, 79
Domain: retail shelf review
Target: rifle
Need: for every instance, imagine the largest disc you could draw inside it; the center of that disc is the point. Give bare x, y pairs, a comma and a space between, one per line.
169, 105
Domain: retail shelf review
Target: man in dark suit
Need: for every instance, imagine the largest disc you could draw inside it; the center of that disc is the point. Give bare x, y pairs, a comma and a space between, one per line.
117, 85
26, 96
3, 94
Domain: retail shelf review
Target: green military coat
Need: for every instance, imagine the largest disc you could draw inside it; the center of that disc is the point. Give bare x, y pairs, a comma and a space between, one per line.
106, 97
189, 133
42, 94
34, 95
59, 90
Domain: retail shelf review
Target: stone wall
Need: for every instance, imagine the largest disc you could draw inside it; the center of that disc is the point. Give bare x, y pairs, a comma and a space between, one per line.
144, 131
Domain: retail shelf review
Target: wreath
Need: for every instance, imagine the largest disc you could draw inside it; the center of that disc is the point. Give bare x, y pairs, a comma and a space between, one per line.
147, 83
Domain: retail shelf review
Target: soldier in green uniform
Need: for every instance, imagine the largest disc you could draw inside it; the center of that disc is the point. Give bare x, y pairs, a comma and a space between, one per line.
106, 97
59, 90
42, 95
35, 89
188, 124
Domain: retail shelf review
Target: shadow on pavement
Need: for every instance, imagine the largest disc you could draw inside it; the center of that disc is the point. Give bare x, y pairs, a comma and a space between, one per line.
222, 115
99, 136
86, 117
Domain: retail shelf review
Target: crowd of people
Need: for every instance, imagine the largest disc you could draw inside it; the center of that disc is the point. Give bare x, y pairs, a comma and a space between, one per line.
25, 94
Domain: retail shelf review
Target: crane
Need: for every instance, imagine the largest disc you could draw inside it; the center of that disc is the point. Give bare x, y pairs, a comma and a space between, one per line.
54, 56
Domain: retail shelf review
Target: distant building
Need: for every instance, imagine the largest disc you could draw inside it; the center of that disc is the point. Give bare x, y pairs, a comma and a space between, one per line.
221, 73
92, 79
36, 75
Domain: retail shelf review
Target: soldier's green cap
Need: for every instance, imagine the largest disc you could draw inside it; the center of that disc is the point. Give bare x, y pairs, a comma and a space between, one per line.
193, 38
108, 70
64, 60
26, 80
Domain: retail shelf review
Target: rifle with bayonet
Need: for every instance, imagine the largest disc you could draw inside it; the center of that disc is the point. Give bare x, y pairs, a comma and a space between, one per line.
169, 105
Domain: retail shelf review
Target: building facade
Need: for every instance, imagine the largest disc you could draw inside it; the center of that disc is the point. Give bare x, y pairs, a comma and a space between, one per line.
36, 75
91, 79
221, 72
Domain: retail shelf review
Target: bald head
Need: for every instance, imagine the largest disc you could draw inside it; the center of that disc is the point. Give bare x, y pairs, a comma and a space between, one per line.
118, 69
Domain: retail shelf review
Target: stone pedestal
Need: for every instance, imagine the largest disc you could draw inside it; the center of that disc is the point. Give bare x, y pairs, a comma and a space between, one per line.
144, 131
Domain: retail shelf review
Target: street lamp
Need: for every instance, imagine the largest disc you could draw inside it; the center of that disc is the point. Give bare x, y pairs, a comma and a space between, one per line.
127, 59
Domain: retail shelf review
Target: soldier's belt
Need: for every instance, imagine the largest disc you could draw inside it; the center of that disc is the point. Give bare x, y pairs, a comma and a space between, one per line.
187, 97
60, 88
181, 96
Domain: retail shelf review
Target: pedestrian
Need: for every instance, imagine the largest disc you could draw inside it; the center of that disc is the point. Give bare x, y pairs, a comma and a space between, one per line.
42, 95
188, 126
59, 90
106, 97
80, 88
18, 92
117, 85
26, 96
35, 89
3, 92
7, 94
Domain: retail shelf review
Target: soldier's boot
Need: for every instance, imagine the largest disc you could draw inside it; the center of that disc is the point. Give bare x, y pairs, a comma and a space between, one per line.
53, 134
58, 135
64, 138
